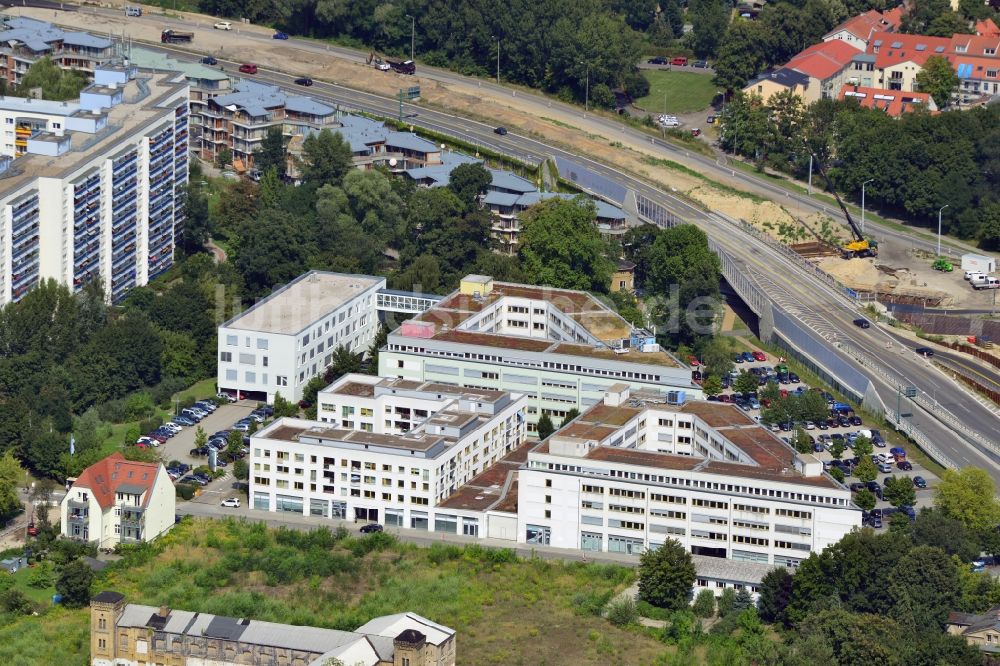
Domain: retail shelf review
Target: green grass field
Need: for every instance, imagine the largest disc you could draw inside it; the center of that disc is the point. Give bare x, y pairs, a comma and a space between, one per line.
506, 610
677, 92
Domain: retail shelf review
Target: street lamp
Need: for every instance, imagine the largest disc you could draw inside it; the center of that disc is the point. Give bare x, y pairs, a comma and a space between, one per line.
939, 228
586, 99
863, 203
413, 33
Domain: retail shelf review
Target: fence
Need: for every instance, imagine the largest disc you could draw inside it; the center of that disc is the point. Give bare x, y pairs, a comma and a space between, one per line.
591, 181
944, 324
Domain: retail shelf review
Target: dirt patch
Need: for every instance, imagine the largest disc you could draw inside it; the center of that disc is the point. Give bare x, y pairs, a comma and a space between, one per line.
869, 275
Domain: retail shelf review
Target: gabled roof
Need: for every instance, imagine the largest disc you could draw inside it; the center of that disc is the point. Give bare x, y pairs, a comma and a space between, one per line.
892, 49
974, 623
987, 28
974, 45
394, 625
255, 99
410, 141
970, 67
824, 60
863, 26
106, 477
893, 102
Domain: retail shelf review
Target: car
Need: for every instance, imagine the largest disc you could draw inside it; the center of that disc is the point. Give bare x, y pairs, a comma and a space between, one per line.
725, 398
223, 25
884, 467
696, 131
32, 530
242, 427
259, 418
754, 403
679, 61
855, 420
817, 447
855, 487
266, 410
822, 425
919, 482
371, 528
180, 419
926, 352
909, 511
904, 466
862, 323
710, 120
747, 357
279, 35
303, 81
232, 502
658, 60
700, 64
669, 121
200, 411
759, 356
209, 60
175, 427
198, 451
225, 396
159, 438
248, 68
502, 131
875, 488
148, 441
793, 378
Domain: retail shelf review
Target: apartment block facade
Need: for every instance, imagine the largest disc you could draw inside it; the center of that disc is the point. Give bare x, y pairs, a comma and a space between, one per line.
92, 190
389, 451
288, 338
561, 348
117, 501
634, 470
25, 41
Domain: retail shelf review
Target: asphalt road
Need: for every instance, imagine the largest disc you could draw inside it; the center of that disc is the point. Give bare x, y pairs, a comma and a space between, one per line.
806, 297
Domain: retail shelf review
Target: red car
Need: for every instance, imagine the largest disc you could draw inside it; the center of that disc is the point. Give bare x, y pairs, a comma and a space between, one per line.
32, 530
783, 393
160, 438
725, 398
248, 68
693, 362
680, 62
759, 356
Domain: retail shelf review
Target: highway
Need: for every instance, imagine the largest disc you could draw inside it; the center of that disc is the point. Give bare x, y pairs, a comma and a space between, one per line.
796, 291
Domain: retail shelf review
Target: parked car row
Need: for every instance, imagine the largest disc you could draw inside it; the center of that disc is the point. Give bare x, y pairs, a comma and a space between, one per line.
187, 417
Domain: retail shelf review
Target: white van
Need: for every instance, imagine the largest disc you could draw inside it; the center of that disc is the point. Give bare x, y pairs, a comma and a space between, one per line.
133, 11
973, 274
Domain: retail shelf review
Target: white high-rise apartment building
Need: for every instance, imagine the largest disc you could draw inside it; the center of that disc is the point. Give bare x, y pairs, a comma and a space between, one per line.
92, 190
288, 338
390, 450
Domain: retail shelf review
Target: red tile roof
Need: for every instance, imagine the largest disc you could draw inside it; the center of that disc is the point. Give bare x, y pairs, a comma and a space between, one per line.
894, 16
894, 102
104, 477
987, 28
977, 69
892, 48
865, 25
823, 60
974, 45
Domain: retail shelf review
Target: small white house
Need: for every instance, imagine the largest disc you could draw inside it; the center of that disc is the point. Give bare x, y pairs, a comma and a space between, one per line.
978, 262
119, 501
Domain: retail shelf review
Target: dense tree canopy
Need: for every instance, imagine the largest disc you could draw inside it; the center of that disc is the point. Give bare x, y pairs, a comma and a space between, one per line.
561, 246
55, 83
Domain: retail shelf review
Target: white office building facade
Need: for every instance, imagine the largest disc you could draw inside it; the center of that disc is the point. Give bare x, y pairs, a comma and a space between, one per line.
288, 338
329, 470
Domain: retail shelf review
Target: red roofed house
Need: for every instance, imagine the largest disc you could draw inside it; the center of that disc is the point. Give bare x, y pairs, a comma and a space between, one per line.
893, 102
858, 30
815, 73
119, 501
899, 58
987, 28
979, 77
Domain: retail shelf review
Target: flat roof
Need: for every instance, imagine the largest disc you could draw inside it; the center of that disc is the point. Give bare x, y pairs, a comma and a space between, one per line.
485, 490
449, 316
407, 442
302, 301
349, 386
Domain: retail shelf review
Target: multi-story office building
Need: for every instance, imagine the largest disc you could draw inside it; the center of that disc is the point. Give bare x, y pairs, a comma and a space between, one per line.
288, 338
635, 470
562, 348
94, 192
24, 41
118, 501
130, 634
240, 119
390, 450
204, 82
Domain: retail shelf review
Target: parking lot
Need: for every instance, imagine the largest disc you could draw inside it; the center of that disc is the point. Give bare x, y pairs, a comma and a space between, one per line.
179, 446
825, 436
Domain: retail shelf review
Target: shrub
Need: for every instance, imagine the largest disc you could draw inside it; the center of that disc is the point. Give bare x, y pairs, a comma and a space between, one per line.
41, 576
185, 491
622, 612
704, 604
647, 609
591, 602
439, 552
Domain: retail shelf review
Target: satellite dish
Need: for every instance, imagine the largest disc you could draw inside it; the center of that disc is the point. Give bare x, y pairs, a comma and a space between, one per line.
392, 162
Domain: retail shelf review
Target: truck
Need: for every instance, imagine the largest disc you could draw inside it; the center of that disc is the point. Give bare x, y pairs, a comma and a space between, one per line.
402, 66
170, 36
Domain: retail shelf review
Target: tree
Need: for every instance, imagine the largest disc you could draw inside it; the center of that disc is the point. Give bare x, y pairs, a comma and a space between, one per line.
56, 83
11, 476
684, 278
802, 441
899, 491
717, 356
666, 576
570, 415
969, 497
271, 153
933, 528
837, 474
468, 181
775, 592
545, 427
271, 251
74, 584
283, 407
561, 246
709, 19
241, 471
899, 523
711, 385
837, 449
743, 600
224, 158
925, 584
989, 227
200, 437
326, 158
234, 443
197, 223
746, 383
939, 79
704, 604
726, 602
865, 499
866, 470
379, 341
862, 447
740, 56
310, 393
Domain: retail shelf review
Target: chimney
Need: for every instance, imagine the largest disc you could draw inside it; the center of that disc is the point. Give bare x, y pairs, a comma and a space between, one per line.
164, 611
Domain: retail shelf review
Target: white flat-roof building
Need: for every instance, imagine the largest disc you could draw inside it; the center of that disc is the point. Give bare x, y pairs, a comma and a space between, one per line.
562, 348
379, 460
90, 191
288, 338
634, 470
